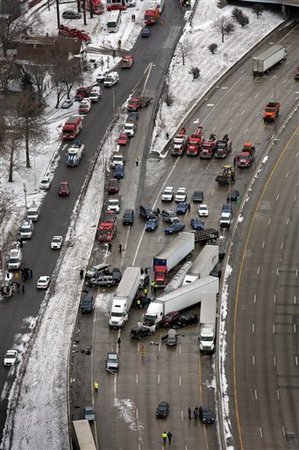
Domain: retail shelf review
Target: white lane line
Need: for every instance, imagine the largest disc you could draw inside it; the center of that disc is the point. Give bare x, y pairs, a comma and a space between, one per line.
137, 413
287, 174
255, 394
295, 300
258, 270
281, 246
261, 432
277, 197
158, 378
263, 244
269, 221
277, 393
273, 328
137, 378
254, 298
253, 360
274, 298
274, 360
252, 327
296, 360
288, 221
294, 328
180, 380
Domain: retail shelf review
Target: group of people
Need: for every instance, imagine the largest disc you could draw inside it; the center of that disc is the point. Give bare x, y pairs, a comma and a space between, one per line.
166, 436
195, 413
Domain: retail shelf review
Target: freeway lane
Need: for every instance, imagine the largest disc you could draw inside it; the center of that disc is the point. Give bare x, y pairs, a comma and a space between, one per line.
266, 315
19, 311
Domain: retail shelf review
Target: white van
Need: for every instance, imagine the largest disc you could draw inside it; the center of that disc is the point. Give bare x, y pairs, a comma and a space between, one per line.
111, 79
45, 182
95, 94
33, 212
26, 229
113, 21
15, 259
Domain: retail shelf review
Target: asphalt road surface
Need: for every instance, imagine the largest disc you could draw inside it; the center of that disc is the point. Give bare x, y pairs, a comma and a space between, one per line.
17, 313
236, 107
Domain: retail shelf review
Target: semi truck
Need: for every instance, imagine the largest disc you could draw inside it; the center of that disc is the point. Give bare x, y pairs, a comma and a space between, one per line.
136, 103
223, 147
271, 111
203, 264
208, 323
153, 11
179, 143
268, 59
124, 296
170, 256
179, 277
74, 155
181, 298
72, 127
194, 142
107, 227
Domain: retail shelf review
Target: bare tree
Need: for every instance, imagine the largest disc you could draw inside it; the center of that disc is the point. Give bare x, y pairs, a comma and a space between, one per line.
12, 29
6, 72
13, 139
213, 48
30, 119
220, 25
184, 49
243, 21
258, 9
38, 72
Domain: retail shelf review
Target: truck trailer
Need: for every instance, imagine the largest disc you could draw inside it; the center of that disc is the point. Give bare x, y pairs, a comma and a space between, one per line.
171, 255
269, 58
181, 298
208, 324
124, 296
179, 277
203, 264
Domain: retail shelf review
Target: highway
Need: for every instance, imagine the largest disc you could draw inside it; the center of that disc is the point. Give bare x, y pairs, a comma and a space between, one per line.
129, 399
17, 314
265, 343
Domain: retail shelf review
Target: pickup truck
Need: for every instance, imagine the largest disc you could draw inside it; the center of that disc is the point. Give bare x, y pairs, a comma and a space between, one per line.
271, 111
246, 157
130, 127
136, 103
127, 62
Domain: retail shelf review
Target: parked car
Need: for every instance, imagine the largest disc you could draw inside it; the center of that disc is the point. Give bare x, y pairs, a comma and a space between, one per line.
113, 186
139, 332
10, 358
162, 410
89, 414
119, 172
45, 182
87, 303
43, 282
97, 270
185, 320
181, 208
113, 205
227, 207
101, 76
123, 139
169, 216
144, 280
112, 362
151, 224
181, 194
33, 212
233, 196
102, 280
172, 338
128, 217
70, 14
174, 228
203, 210
66, 104
206, 415
197, 197
145, 32
170, 319
197, 224
26, 229
64, 189
56, 242
146, 212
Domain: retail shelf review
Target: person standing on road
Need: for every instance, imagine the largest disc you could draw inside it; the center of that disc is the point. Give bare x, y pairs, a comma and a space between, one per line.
189, 413
118, 341
164, 437
23, 289
120, 248
137, 162
96, 386
170, 436
109, 247
189, 207
81, 274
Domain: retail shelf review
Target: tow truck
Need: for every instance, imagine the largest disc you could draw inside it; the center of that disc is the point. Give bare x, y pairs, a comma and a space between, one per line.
271, 111
208, 147
246, 157
179, 143
127, 61
223, 147
136, 103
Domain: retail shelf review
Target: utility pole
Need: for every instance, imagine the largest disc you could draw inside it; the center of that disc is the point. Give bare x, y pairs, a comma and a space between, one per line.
25, 194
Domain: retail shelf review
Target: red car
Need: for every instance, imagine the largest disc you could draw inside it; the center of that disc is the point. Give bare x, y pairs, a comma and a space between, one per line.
64, 189
123, 139
170, 319
113, 186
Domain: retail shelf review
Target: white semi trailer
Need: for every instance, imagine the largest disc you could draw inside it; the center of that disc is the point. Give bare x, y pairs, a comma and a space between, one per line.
269, 58
203, 264
208, 324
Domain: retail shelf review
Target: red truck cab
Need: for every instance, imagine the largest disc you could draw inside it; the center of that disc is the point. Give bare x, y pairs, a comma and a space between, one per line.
208, 147
72, 127
246, 157
194, 143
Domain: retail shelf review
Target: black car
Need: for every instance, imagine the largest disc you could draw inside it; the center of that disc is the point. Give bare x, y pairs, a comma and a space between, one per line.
87, 304
146, 212
172, 338
162, 410
70, 14
185, 320
139, 332
233, 196
197, 197
206, 415
116, 274
128, 217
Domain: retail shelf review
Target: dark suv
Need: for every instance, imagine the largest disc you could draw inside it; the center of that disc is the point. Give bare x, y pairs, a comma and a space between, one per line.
170, 319
146, 213
139, 332
128, 217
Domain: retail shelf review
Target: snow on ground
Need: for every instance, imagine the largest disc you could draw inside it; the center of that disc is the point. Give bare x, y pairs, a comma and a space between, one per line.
45, 372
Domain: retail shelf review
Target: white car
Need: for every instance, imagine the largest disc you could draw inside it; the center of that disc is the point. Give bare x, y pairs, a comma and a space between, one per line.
181, 195
203, 210
114, 205
167, 194
43, 282
10, 358
56, 242
45, 182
